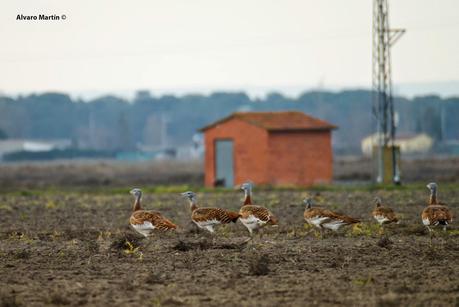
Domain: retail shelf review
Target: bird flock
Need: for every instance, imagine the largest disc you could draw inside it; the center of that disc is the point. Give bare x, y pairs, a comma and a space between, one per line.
254, 217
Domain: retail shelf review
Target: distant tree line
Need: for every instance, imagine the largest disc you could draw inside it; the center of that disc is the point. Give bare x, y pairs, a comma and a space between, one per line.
58, 154
3, 135
111, 123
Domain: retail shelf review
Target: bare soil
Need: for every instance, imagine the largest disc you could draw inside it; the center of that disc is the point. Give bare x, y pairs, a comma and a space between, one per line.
98, 174
78, 249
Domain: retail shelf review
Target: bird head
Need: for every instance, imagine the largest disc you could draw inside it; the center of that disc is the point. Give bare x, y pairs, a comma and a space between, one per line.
247, 186
432, 186
136, 192
308, 202
190, 195
377, 201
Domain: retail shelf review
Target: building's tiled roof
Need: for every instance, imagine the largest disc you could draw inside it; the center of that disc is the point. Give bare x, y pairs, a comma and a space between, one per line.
278, 121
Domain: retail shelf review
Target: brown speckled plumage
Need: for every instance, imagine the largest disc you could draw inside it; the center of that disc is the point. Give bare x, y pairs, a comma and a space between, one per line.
436, 213
259, 212
207, 217
383, 214
219, 214
145, 222
324, 218
252, 216
155, 218
320, 212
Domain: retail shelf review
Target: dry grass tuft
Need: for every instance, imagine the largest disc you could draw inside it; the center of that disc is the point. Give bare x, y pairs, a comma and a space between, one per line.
125, 242
365, 229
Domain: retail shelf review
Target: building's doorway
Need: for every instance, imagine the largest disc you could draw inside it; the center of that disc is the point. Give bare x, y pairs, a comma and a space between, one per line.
224, 163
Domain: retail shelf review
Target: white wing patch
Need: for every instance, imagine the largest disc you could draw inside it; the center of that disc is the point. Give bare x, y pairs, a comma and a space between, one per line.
334, 224
326, 222
317, 220
209, 224
252, 219
145, 229
381, 219
252, 222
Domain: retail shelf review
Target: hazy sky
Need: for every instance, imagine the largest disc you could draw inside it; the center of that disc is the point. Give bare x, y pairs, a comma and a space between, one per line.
108, 45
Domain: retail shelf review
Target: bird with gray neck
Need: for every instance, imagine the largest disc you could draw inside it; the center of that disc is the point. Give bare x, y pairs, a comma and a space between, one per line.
436, 213
146, 222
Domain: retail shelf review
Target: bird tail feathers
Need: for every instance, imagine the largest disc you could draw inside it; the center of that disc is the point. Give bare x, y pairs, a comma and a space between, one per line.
233, 216
272, 220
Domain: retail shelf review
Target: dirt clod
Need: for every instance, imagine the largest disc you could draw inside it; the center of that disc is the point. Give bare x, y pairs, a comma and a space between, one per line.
9, 301
259, 265
58, 299
183, 246
384, 242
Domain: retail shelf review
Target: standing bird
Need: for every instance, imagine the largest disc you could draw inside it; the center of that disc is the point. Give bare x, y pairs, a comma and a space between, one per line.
435, 213
207, 218
383, 214
145, 222
254, 217
324, 218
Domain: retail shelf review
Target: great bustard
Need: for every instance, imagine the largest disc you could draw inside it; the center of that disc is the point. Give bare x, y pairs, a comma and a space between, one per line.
208, 218
436, 213
146, 222
324, 218
383, 214
252, 216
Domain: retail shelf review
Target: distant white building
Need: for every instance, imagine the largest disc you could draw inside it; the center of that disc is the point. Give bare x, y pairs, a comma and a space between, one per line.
409, 143
13, 145
194, 151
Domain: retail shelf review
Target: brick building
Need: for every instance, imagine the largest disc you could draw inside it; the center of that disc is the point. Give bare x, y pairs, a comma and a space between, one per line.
278, 148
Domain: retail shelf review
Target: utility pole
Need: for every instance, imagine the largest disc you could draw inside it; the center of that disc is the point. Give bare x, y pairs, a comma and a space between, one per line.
163, 137
383, 105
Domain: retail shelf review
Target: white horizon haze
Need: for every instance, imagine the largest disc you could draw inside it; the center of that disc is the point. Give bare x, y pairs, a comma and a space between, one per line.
202, 46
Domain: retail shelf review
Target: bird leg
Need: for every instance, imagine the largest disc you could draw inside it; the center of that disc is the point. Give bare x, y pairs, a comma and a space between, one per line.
322, 233
381, 229
250, 239
253, 240
197, 229
260, 234
256, 236
213, 236
430, 235
318, 233
148, 242
445, 234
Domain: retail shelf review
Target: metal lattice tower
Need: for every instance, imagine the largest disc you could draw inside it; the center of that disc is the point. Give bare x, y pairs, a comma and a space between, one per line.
383, 105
